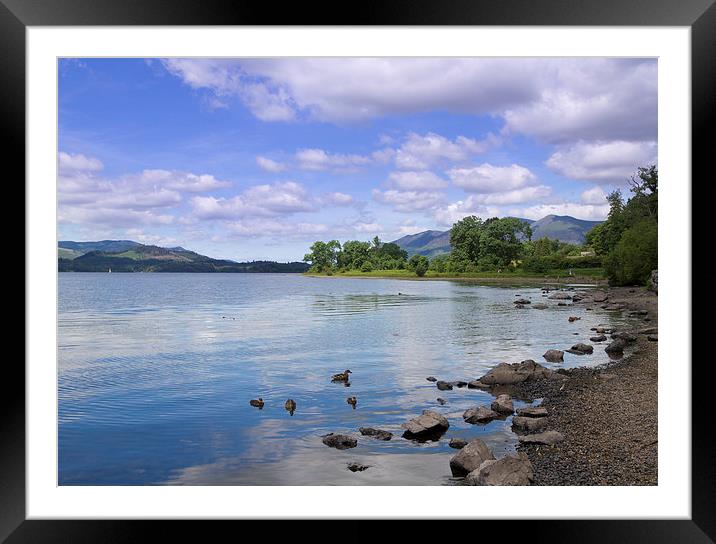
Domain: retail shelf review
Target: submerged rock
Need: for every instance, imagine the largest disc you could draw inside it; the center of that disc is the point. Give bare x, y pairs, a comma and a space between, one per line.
503, 405
540, 306
479, 414
554, 355
339, 441
441, 401
429, 425
470, 458
376, 433
509, 470
547, 438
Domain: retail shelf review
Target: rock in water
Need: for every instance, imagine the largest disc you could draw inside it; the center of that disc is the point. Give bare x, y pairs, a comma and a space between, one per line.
599, 296
616, 346
523, 301
600, 338
444, 386
429, 425
510, 374
510, 470
339, 441
529, 424
573, 318
479, 414
547, 438
581, 349
540, 306
441, 401
357, 467
431, 379
532, 411
554, 355
457, 443
560, 296
503, 405
470, 458
376, 433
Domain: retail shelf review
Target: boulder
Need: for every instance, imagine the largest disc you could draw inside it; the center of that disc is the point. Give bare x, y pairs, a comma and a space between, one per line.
457, 443
599, 296
510, 374
357, 467
444, 386
623, 335
427, 426
616, 346
470, 458
339, 441
600, 338
560, 296
532, 411
503, 405
529, 424
554, 355
376, 433
479, 414
509, 470
581, 349
547, 438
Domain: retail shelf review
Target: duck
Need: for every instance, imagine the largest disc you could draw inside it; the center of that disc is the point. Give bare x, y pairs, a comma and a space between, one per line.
290, 406
341, 377
352, 401
257, 403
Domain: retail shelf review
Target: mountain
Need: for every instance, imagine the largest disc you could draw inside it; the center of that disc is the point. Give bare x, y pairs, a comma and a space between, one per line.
560, 227
128, 256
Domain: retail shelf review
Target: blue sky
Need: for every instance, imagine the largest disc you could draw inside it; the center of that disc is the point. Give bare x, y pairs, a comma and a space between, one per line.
257, 158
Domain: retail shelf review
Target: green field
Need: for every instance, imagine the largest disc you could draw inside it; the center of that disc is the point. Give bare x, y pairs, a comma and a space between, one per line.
589, 275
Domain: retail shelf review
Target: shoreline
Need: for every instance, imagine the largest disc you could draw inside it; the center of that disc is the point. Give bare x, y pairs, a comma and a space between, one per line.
607, 414
521, 280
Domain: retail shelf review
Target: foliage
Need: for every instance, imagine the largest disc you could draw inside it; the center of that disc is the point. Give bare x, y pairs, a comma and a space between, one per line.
419, 264
636, 254
323, 255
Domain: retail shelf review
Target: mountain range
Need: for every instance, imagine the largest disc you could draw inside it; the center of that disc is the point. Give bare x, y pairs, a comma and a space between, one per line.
129, 256
557, 227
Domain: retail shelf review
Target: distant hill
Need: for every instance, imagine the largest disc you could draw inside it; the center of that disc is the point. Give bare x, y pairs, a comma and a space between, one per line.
558, 227
128, 256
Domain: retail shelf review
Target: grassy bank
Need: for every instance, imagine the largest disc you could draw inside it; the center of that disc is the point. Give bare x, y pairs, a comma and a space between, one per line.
585, 275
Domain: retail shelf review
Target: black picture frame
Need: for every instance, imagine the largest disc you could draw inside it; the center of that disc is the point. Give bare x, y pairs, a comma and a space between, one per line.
699, 15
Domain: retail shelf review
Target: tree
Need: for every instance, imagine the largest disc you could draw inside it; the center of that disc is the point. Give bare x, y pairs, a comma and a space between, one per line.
465, 238
323, 256
419, 264
636, 254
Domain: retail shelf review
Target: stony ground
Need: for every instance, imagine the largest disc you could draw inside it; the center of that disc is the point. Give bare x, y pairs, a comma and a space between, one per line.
608, 415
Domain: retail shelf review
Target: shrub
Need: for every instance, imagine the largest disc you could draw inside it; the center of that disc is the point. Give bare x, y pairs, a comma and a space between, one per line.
635, 256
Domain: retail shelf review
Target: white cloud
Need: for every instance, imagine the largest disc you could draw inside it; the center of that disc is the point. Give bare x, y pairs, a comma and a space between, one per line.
595, 195
416, 181
409, 201
455, 211
580, 211
275, 228
515, 196
487, 178
337, 199
318, 159
602, 162
421, 152
179, 181
69, 163
270, 165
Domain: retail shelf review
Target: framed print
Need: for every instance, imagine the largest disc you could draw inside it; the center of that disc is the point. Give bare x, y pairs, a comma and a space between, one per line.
406, 265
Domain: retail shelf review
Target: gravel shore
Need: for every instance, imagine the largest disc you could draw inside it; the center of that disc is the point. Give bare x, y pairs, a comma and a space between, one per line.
608, 415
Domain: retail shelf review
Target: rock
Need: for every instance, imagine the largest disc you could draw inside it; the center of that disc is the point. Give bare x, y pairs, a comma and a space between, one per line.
560, 296
458, 383
616, 346
599, 296
540, 306
532, 411
547, 438
477, 384
510, 470
626, 336
510, 374
441, 401
503, 405
357, 467
529, 424
444, 386
600, 338
561, 304
581, 349
429, 425
652, 338
376, 433
654, 281
479, 414
339, 441
457, 443
470, 458
431, 379
554, 355
523, 301
649, 330
573, 318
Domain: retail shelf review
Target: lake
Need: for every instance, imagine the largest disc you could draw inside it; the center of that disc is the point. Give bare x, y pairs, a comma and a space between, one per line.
156, 372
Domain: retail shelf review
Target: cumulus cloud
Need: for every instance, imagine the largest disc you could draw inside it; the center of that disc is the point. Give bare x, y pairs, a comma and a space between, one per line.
420, 152
416, 181
487, 178
595, 195
275, 228
408, 201
338, 199
590, 212
269, 165
455, 211
602, 162
318, 159
69, 163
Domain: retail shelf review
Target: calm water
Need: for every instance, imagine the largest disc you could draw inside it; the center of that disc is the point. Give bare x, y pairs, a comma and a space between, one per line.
156, 372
